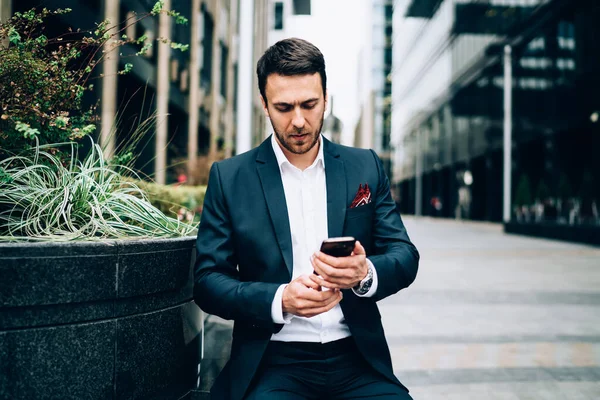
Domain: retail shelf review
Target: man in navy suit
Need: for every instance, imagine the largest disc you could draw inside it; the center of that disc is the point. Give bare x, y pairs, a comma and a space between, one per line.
307, 324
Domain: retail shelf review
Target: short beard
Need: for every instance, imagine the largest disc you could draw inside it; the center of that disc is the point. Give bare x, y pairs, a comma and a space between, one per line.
281, 139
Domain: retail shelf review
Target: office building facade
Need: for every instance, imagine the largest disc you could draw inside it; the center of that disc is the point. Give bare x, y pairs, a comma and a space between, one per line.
373, 129
449, 116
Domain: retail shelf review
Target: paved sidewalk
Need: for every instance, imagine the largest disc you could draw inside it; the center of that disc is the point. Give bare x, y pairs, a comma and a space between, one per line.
495, 316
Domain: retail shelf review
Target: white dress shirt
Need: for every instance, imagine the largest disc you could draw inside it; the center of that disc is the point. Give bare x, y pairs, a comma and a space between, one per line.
306, 199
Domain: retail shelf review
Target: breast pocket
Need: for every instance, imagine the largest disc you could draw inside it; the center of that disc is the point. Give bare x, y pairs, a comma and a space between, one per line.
360, 212
359, 223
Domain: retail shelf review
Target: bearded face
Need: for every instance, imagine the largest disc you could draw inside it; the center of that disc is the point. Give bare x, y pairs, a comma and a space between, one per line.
296, 108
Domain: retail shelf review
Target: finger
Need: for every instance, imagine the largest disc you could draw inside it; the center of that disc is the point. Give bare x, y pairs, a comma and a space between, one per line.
316, 310
324, 283
317, 279
338, 283
307, 281
316, 297
327, 271
359, 249
324, 308
326, 298
327, 259
335, 276
332, 285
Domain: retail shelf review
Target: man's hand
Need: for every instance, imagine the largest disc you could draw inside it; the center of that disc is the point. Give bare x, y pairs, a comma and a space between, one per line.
340, 272
304, 298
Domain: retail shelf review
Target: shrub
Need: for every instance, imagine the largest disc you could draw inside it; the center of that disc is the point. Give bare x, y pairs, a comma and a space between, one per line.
46, 193
43, 80
42, 199
175, 201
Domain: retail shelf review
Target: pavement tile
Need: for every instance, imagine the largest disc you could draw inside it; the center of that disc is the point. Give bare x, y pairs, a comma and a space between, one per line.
496, 316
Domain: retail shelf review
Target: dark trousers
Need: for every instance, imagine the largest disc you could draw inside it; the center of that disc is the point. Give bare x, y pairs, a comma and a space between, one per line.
332, 371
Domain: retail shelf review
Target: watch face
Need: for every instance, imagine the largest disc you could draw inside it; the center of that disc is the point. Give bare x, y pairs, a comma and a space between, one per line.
364, 288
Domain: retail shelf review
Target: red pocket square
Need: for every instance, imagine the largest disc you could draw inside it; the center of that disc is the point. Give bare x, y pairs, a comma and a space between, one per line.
363, 196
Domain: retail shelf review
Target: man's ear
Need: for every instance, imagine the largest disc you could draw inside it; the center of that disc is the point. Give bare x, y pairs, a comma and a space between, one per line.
326, 100
264, 105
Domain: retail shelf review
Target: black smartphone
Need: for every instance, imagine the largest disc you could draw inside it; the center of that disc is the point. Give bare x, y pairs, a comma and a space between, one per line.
338, 246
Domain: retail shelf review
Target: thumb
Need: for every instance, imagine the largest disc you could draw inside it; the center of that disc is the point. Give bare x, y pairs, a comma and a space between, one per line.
359, 249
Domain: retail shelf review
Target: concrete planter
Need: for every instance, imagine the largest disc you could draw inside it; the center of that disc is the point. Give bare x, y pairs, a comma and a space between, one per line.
98, 320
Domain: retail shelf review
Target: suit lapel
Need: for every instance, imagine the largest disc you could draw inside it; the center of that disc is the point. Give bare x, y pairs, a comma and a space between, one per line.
270, 178
335, 175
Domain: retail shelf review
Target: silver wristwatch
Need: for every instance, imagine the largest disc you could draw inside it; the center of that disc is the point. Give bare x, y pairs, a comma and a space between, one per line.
364, 285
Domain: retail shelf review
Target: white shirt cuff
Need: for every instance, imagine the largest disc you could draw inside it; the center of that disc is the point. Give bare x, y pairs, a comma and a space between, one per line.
277, 308
373, 288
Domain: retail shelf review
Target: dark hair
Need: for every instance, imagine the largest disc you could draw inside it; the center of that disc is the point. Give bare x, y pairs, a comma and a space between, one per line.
288, 57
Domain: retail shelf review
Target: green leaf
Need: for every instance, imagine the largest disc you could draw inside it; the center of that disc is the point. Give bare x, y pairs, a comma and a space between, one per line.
158, 6
179, 46
41, 40
4, 177
89, 129
13, 35
144, 49
27, 131
181, 20
141, 39
61, 121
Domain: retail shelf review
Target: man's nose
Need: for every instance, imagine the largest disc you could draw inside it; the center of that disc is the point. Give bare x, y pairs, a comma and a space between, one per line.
298, 121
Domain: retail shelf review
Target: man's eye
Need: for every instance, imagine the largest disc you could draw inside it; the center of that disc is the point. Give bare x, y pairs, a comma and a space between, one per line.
283, 109
310, 106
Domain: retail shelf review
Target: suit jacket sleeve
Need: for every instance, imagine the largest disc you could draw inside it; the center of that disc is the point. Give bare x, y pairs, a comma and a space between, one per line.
395, 258
218, 289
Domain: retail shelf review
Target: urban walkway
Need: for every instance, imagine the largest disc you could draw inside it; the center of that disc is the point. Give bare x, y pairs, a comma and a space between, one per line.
495, 316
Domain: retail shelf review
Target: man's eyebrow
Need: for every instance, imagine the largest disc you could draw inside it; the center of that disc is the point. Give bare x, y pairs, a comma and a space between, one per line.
283, 103
310, 100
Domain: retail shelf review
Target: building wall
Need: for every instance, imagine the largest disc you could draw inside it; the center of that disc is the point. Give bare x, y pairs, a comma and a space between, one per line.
375, 81
448, 97
293, 24
364, 139
5, 9
263, 23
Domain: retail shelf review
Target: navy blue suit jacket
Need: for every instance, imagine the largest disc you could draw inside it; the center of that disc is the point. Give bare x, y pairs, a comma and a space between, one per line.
244, 252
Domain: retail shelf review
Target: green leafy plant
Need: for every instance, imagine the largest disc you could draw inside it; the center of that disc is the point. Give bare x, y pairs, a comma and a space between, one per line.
41, 199
43, 80
175, 200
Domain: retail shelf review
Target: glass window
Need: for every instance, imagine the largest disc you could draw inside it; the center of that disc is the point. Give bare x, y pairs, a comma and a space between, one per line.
207, 46
302, 7
389, 11
278, 16
224, 58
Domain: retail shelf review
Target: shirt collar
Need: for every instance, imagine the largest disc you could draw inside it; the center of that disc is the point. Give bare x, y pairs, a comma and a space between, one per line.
282, 159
